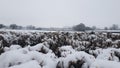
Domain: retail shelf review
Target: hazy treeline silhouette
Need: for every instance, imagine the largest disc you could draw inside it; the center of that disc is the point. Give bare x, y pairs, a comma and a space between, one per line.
83, 27
15, 26
79, 27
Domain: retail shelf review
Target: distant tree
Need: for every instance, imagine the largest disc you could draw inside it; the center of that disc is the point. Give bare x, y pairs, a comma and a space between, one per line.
89, 28
2, 26
39, 28
106, 28
13, 26
19, 27
79, 27
114, 27
30, 27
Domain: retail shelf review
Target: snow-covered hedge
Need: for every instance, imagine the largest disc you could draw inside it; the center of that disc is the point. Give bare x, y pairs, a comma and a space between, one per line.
59, 50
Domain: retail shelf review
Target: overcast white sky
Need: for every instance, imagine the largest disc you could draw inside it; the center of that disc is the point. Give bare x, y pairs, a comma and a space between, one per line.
60, 13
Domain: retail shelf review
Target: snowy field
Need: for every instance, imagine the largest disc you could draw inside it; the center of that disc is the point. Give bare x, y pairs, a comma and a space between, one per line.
51, 49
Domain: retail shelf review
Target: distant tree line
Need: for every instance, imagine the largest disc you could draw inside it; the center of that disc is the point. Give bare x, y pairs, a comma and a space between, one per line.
14, 26
113, 27
79, 27
83, 27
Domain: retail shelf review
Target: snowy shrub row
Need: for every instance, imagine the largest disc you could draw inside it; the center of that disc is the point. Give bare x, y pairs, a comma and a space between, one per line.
32, 57
78, 40
59, 50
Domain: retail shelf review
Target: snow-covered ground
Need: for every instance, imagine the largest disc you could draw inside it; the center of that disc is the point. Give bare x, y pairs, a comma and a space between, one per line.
31, 57
59, 50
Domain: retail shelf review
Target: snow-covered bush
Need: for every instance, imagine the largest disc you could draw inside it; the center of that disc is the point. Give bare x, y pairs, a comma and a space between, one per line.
76, 60
59, 49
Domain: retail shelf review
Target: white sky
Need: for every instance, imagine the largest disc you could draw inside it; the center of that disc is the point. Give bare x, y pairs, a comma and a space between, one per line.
60, 13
